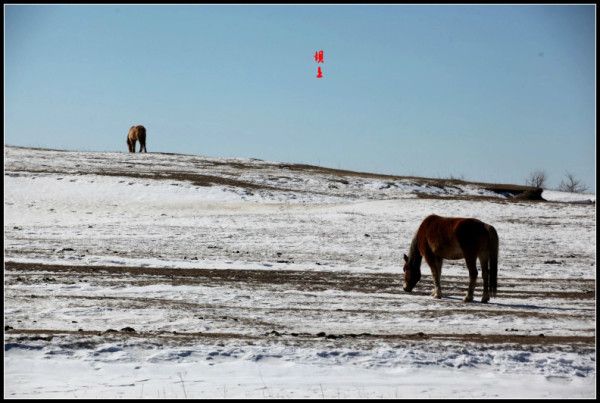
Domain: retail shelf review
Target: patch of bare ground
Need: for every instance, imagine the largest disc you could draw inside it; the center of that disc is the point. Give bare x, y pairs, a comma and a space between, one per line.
247, 323
517, 193
193, 178
312, 280
514, 192
519, 339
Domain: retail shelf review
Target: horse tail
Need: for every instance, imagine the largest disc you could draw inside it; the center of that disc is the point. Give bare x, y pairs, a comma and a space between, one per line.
493, 272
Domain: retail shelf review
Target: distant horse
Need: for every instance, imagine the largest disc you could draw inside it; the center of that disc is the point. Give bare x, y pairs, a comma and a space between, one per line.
136, 133
454, 238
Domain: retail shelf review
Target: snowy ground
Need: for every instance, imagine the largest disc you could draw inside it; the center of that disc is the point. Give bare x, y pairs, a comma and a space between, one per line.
245, 278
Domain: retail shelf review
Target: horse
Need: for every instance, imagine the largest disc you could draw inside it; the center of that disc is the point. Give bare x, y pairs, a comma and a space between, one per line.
454, 238
136, 133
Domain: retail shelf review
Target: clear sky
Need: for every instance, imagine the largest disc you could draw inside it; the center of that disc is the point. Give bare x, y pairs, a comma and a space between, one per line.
487, 93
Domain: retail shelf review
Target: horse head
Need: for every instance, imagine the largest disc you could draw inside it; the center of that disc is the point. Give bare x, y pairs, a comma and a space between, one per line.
412, 274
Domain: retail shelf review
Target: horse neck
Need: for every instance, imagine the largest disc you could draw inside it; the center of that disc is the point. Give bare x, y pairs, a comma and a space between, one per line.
414, 256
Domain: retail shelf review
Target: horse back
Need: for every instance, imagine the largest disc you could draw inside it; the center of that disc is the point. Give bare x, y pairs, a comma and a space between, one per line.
452, 237
473, 235
137, 133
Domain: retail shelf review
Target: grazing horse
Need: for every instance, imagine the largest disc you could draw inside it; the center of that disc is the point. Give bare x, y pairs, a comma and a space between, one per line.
136, 133
454, 238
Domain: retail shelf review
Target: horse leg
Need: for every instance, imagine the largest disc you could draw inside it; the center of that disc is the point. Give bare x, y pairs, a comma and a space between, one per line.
472, 266
485, 273
435, 263
438, 280
437, 276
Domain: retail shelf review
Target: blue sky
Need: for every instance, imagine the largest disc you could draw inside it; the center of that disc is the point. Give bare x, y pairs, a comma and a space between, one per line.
487, 93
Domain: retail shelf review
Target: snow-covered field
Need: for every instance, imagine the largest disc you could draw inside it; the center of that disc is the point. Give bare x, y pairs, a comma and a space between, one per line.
172, 276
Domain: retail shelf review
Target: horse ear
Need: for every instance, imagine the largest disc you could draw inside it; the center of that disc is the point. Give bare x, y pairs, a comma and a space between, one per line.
405, 258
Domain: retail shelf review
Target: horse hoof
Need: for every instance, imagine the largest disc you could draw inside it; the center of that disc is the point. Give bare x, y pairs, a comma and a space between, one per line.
485, 300
467, 299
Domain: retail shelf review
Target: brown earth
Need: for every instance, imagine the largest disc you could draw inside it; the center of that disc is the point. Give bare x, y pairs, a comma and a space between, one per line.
306, 281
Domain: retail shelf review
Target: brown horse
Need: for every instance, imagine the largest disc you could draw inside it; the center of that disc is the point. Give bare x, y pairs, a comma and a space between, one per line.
136, 133
454, 238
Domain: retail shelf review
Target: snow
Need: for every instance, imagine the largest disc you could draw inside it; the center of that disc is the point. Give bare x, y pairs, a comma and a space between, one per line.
556, 195
345, 233
257, 376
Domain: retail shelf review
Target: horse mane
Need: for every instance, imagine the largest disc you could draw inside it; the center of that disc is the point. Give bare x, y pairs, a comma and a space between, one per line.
414, 256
